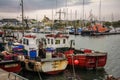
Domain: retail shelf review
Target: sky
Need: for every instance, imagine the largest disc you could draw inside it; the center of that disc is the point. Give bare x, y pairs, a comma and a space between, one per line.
72, 9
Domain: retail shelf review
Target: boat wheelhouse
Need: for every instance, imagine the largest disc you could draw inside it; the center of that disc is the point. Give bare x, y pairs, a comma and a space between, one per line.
57, 41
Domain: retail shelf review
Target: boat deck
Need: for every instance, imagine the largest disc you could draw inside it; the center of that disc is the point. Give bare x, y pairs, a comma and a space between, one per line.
10, 76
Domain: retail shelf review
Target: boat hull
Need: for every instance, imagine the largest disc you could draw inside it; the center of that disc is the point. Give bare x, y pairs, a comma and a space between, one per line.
87, 60
10, 66
49, 66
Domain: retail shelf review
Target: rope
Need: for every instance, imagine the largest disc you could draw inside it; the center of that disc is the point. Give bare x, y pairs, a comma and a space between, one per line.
39, 76
74, 75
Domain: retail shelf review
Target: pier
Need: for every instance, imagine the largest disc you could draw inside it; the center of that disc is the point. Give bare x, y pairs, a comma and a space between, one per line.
4, 75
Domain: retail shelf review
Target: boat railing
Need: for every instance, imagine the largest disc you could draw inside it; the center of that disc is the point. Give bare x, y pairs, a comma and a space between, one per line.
93, 51
14, 76
52, 59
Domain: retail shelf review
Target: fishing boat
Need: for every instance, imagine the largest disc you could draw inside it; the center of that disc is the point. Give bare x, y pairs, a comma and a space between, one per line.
86, 58
83, 58
9, 62
40, 58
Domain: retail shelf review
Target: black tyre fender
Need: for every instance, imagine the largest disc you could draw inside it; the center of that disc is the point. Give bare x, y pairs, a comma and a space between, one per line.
22, 64
31, 65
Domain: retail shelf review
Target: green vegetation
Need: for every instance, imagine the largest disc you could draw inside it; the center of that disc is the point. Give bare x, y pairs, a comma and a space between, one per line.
114, 24
60, 24
13, 28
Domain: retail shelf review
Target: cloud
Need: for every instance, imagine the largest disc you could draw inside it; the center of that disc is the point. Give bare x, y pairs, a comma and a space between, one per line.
30, 5
8, 5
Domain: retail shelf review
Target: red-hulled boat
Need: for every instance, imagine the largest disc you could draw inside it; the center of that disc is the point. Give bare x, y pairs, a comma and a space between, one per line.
9, 62
86, 58
83, 58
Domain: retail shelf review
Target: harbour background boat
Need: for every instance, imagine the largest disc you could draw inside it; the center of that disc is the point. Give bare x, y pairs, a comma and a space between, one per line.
105, 43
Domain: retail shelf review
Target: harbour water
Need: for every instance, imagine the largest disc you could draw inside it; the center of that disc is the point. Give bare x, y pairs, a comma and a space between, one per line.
110, 44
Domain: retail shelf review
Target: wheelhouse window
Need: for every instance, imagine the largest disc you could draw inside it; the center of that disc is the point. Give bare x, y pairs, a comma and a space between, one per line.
23, 41
51, 41
27, 42
64, 41
48, 41
57, 41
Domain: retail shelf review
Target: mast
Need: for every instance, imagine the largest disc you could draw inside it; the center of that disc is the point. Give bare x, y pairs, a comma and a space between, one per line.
112, 19
66, 14
56, 5
52, 21
83, 13
100, 12
75, 23
22, 9
60, 14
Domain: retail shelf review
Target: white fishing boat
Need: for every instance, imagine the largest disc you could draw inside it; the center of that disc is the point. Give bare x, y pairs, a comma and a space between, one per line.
41, 58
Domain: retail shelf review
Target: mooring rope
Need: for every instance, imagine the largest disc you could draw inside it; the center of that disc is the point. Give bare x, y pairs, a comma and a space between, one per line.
74, 75
39, 75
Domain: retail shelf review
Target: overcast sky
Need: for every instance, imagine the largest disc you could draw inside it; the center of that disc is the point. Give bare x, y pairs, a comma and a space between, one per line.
38, 8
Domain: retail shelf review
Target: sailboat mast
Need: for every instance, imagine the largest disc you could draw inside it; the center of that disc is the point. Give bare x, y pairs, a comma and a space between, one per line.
22, 9
100, 11
56, 6
52, 20
83, 13
66, 14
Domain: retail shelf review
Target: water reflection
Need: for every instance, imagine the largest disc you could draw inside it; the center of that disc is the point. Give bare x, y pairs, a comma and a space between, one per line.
98, 74
81, 74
